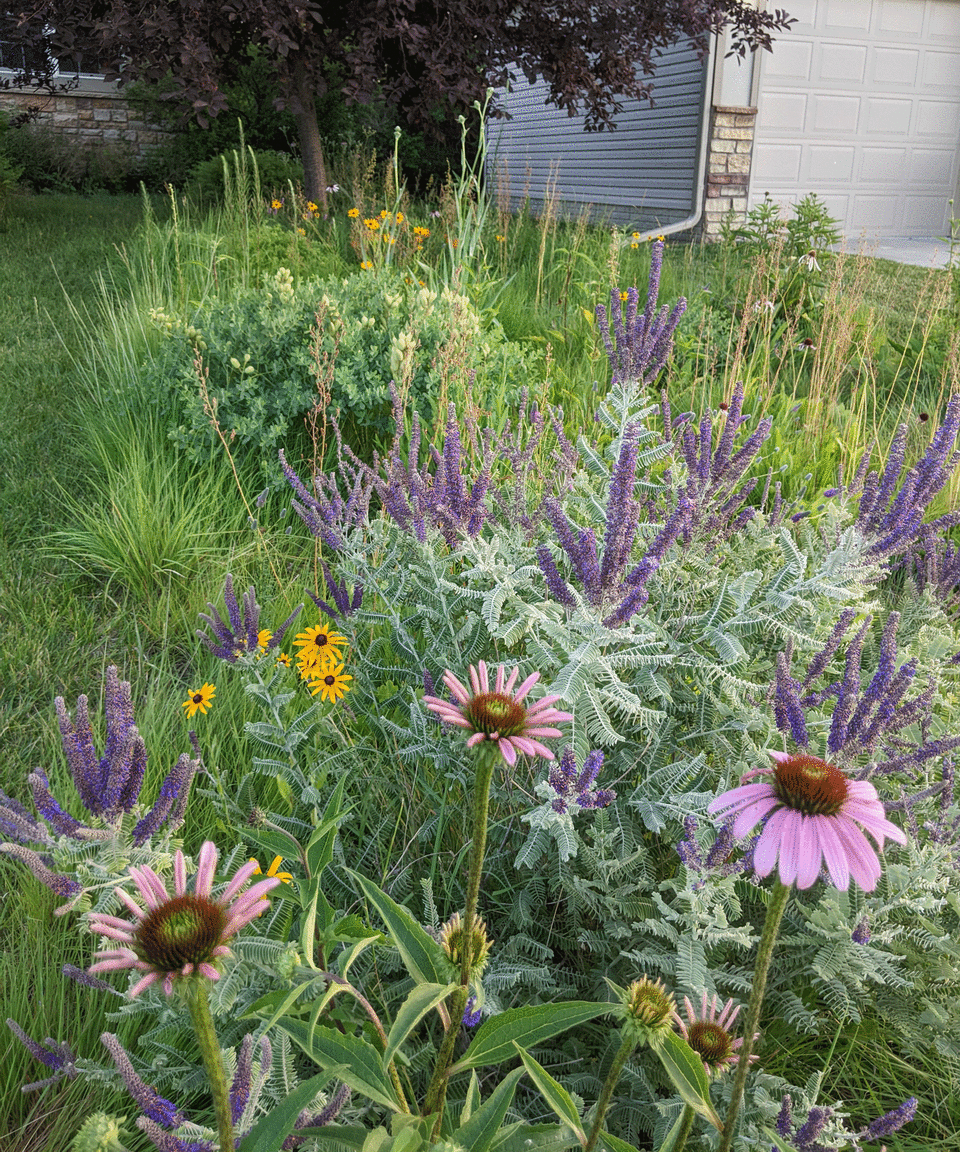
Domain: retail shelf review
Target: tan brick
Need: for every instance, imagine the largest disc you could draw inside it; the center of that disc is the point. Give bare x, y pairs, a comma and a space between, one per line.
734, 134
744, 121
725, 120
739, 162
723, 145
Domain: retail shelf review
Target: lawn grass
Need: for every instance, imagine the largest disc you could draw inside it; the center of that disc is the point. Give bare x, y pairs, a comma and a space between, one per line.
110, 544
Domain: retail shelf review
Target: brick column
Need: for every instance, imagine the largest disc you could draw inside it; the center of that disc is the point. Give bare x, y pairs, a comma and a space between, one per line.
728, 166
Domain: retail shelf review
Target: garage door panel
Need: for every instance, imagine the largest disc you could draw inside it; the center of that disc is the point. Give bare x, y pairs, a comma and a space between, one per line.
830, 163
835, 114
881, 165
887, 116
894, 67
860, 103
902, 19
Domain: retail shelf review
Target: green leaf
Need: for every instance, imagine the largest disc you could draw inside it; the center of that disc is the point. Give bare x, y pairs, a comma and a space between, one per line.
777, 1141
554, 1093
319, 850
685, 1069
495, 1038
271, 1130
670, 1140
472, 1100
421, 1000
357, 1063
522, 1137
615, 1144
422, 955
481, 1129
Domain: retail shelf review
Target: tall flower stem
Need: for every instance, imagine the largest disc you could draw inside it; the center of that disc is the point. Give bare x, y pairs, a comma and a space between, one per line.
199, 1002
487, 755
771, 927
627, 1046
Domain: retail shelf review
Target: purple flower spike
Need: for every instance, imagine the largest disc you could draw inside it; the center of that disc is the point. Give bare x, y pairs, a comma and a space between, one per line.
63, 886
891, 1122
573, 787
641, 343
148, 1100
238, 636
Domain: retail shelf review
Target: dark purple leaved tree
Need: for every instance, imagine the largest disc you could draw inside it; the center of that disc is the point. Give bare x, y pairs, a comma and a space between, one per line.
423, 57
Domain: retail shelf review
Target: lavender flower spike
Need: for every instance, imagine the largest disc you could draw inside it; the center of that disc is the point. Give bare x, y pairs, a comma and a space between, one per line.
238, 635
576, 788
55, 1055
63, 886
641, 342
150, 1103
891, 1122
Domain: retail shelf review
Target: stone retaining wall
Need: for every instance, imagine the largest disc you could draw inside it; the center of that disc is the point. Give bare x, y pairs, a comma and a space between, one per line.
94, 114
728, 166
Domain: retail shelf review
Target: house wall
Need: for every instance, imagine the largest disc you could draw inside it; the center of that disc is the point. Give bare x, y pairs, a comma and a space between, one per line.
643, 175
95, 115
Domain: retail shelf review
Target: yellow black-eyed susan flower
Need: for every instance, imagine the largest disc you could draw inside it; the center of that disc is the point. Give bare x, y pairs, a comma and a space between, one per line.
198, 700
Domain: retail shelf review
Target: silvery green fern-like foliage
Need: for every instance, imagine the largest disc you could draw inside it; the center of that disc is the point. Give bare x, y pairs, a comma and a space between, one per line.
680, 694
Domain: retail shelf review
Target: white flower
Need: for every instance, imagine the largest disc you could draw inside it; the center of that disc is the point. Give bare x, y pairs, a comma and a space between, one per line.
809, 261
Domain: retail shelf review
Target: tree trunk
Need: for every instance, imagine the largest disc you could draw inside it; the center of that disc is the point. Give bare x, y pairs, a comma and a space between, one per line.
304, 108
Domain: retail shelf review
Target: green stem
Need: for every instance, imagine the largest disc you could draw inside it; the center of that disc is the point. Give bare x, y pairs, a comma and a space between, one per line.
487, 756
771, 926
686, 1124
198, 1000
627, 1046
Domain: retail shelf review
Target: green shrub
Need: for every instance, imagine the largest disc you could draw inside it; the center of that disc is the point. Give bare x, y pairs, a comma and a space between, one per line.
276, 170
50, 162
270, 355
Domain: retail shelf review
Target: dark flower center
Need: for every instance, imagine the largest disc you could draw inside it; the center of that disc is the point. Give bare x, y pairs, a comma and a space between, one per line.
321, 640
711, 1042
494, 712
810, 786
184, 930
198, 698
330, 681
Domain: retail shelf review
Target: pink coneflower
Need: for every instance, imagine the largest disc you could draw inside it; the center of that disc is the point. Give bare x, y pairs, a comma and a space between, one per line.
499, 713
814, 815
184, 934
709, 1034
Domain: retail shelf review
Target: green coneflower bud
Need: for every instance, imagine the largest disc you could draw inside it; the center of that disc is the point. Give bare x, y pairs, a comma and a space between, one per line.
98, 1133
649, 1010
451, 939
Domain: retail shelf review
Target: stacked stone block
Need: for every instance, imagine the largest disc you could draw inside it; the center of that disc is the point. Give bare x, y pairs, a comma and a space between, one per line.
728, 166
94, 119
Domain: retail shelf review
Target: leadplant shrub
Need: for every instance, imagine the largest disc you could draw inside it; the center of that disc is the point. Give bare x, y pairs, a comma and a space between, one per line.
263, 358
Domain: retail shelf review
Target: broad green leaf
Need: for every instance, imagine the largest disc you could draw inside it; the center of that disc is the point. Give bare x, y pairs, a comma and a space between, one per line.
615, 1144
481, 1129
685, 1069
280, 1002
271, 1130
337, 1136
670, 1140
422, 955
777, 1141
356, 1061
522, 1137
421, 1000
495, 1038
554, 1093
472, 1101
319, 850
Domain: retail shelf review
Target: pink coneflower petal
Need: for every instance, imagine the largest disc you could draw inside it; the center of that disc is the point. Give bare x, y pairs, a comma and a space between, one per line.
206, 869
737, 798
242, 876
765, 853
459, 690
809, 853
861, 858
508, 752
150, 886
127, 899
209, 971
150, 978
525, 687
749, 815
834, 855
179, 874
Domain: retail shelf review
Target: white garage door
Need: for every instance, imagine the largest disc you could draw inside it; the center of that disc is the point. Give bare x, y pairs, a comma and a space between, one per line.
860, 103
